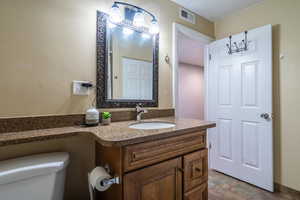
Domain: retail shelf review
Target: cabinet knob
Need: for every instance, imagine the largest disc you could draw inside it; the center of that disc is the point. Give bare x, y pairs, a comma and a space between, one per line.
180, 169
198, 169
133, 156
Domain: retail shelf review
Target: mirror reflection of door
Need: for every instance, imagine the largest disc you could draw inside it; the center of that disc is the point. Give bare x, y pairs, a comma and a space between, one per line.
130, 64
137, 79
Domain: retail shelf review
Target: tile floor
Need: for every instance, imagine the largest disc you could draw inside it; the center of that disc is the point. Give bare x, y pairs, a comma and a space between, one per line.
222, 187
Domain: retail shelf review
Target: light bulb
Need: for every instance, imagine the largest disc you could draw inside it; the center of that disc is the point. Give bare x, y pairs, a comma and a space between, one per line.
111, 25
145, 36
127, 31
115, 14
138, 19
154, 28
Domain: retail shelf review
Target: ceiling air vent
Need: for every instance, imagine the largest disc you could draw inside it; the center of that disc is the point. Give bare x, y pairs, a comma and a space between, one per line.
187, 15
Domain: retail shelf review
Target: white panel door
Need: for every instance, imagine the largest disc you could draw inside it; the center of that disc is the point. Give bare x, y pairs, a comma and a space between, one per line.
131, 79
146, 80
240, 101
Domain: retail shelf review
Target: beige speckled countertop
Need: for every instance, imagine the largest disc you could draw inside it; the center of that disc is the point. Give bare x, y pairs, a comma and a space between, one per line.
115, 134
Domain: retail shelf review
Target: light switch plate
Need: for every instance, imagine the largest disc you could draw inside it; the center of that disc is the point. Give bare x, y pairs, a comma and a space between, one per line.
78, 89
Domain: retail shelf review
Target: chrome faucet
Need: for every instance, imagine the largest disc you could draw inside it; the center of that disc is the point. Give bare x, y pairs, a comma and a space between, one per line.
140, 111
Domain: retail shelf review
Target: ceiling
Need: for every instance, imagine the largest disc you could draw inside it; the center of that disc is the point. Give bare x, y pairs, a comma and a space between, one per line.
190, 51
215, 9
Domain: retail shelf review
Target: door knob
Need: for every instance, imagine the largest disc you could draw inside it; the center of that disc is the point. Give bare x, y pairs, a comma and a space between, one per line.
265, 116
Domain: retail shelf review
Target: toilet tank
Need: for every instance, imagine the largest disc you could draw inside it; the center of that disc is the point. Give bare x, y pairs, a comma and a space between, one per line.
37, 177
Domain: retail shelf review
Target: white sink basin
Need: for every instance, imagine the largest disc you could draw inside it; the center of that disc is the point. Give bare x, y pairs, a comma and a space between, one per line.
151, 125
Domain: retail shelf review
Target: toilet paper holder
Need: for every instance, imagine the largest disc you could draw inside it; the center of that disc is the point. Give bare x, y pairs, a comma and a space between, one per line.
110, 181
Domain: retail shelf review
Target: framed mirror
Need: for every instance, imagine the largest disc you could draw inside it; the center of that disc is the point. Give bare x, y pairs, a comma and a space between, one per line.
127, 65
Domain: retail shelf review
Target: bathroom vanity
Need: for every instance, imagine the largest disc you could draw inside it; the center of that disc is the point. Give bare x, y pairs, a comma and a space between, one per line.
170, 165
159, 164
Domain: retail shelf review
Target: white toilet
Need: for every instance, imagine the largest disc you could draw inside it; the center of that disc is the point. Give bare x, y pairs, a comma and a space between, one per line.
37, 177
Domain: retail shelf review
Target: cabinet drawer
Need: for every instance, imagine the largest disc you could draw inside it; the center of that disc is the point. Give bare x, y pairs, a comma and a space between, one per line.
195, 169
198, 193
140, 155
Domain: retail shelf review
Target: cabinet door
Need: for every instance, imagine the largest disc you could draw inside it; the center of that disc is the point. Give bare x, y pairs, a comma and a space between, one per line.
198, 193
159, 182
195, 169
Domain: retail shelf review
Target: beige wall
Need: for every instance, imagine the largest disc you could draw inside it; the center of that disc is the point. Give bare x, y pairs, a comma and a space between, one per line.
46, 44
284, 16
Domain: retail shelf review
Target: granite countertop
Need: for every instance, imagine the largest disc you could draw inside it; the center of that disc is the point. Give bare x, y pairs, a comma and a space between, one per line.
115, 134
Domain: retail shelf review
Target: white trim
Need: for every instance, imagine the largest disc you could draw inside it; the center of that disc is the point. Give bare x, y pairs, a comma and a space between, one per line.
206, 86
196, 36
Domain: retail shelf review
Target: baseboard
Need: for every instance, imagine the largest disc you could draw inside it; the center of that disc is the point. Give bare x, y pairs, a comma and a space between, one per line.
282, 188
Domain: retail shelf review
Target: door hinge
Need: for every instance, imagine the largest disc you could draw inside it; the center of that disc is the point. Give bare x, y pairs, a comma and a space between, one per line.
209, 146
209, 56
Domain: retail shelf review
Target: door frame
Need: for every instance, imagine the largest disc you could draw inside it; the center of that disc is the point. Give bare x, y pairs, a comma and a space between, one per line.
179, 28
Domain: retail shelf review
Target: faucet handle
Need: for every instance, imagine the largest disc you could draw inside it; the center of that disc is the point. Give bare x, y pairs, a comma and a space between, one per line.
138, 107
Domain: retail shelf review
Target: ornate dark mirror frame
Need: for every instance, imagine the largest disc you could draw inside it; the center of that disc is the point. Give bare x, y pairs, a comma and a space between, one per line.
102, 63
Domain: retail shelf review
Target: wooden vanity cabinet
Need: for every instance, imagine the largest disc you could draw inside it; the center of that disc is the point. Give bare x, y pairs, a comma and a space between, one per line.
174, 168
161, 181
198, 193
195, 169
196, 175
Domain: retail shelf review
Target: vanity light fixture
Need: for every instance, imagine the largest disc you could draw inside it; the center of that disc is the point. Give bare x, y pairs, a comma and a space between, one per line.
115, 14
154, 29
138, 19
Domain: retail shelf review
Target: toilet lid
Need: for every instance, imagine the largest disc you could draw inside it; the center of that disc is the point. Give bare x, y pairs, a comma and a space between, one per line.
26, 167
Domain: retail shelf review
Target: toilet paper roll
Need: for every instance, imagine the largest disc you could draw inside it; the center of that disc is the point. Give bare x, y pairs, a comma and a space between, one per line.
96, 176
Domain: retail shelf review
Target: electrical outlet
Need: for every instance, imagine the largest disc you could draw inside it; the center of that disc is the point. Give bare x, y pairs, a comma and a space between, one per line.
78, 89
